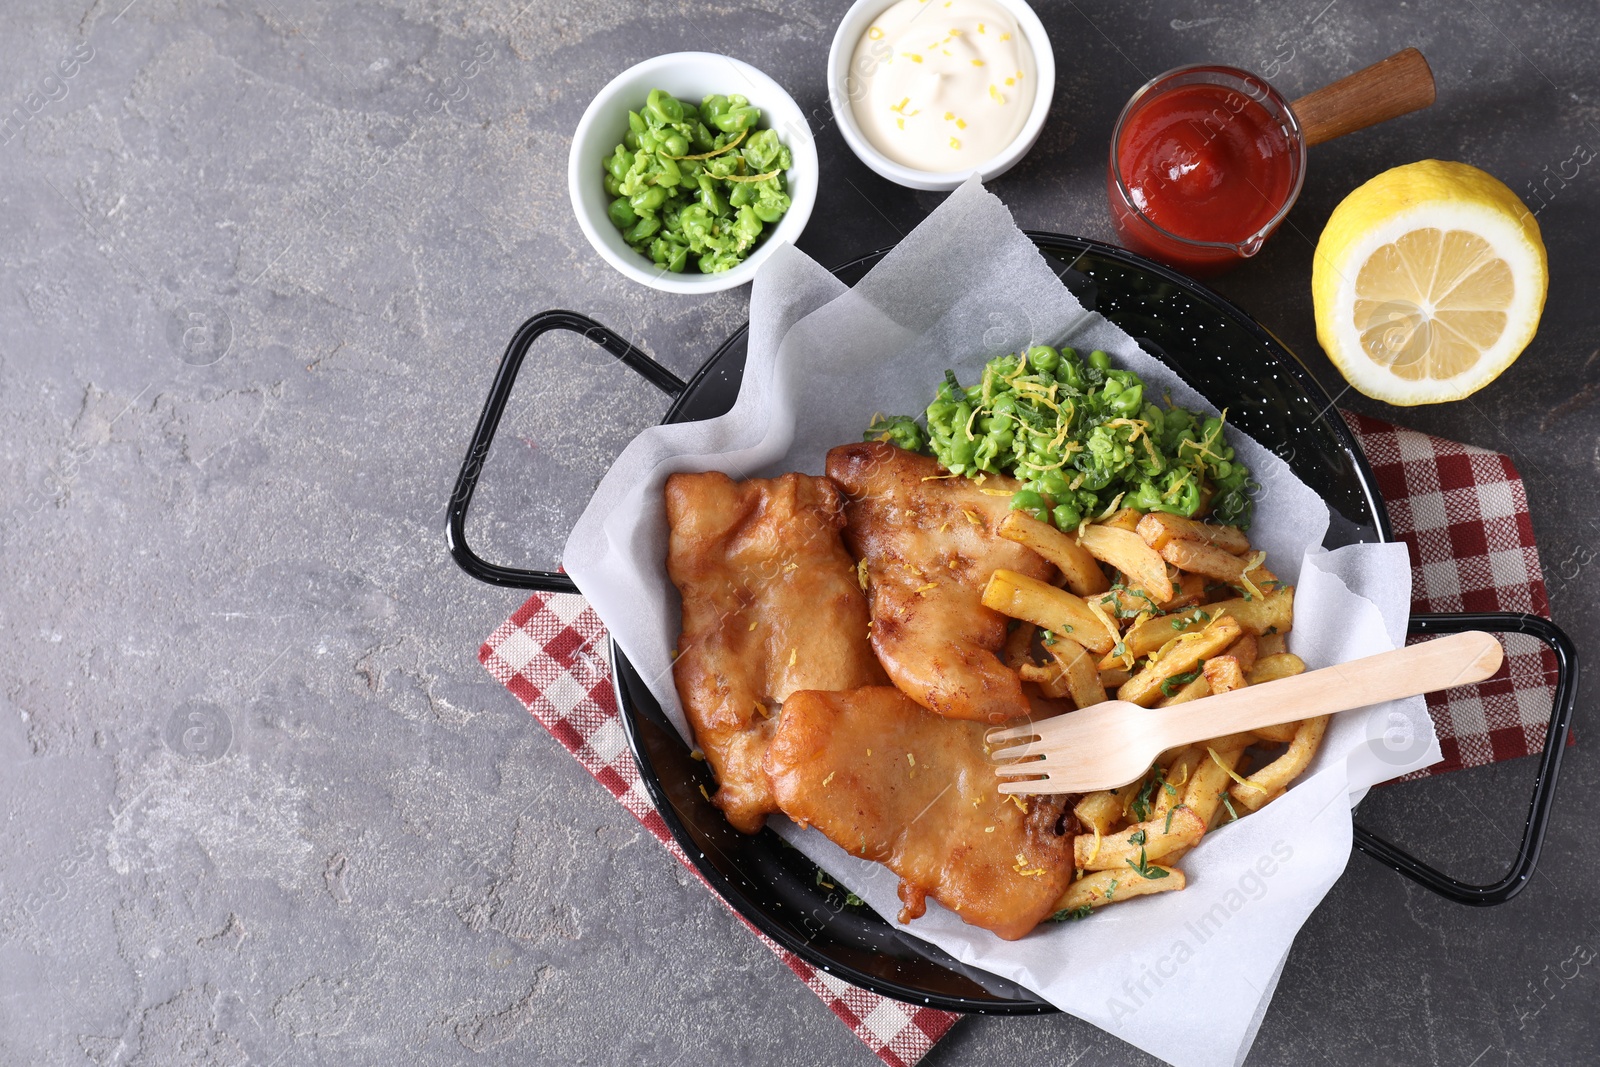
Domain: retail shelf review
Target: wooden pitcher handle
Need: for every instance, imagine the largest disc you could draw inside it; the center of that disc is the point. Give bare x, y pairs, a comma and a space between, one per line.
1388, 89
1459, 659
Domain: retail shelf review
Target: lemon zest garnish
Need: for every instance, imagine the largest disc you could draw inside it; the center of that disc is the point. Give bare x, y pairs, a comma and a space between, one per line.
828, 779
1183, 638
703, 791
1099, 612
988, 829
1235, 775
1178, 486
995, 492
924, 588
1016, 798
911, 759
1096, 852
971, 517
697, 754
1244, 576
875, 33
730, 146
1111, 508
752, 626
794, 656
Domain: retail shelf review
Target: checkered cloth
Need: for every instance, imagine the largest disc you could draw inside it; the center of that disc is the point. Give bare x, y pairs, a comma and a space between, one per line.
1463, 514
1461, 510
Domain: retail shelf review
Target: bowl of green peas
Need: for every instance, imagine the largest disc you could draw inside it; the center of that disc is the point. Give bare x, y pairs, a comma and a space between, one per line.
689, 170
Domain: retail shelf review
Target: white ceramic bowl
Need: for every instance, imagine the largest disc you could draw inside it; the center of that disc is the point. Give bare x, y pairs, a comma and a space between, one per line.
689, 76
856, 22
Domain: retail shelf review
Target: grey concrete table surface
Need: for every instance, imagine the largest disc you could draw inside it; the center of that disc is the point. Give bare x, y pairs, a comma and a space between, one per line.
258, 802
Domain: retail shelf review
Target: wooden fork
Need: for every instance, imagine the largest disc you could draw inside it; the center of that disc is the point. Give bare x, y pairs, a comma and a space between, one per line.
1111, 744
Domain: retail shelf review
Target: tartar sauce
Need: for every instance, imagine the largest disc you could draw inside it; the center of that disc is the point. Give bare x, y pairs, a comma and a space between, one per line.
942, 85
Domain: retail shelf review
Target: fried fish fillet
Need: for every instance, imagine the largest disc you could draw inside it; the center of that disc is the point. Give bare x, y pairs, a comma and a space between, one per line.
888, 781
771, 604
930, 545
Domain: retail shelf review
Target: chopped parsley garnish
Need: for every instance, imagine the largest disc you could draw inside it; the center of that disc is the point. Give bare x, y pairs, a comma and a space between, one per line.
1178, 681
1227, 802
1082, 911
1140, 808
1146, 871
1167, 829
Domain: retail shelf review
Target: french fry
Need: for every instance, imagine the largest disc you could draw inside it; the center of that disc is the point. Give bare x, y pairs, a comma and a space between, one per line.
1169, 794
1127, 552
1259, 788
1104, 887
1019, 643
1114, 677
1271, 645
1144, 688
1223, 674
1078, 670
1042, 604
1272, 613
1049, 678
1280, 734
1123, 519
1200, 558
1271, 668
1082, 573
1157, 528
1244, 650
1209, 782
1099, 810
1188, 590
1151, 634
1193, 689
1117, 851
1128, 601
1257, 616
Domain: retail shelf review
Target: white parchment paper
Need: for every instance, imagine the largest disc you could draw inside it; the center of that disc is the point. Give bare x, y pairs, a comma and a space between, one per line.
963, 287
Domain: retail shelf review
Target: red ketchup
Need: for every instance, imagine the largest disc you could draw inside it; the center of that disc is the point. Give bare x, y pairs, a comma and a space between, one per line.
1207, 167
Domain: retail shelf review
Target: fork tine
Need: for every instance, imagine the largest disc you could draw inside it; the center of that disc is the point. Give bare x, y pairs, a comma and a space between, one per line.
1013, 770
1017, 751
1038, 786
1011, 733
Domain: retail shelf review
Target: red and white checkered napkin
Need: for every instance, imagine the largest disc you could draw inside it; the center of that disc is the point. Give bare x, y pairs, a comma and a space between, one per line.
548, 655
1463, 514
1461, 510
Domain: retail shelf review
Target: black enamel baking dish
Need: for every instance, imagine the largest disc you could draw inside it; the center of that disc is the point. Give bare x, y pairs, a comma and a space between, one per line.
1207, 340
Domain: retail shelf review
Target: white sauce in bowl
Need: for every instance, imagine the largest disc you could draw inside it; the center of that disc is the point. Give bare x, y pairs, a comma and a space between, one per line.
942, 85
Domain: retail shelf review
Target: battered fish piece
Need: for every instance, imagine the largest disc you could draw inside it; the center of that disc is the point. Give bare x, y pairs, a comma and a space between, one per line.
887, 781
771, 604
930, 545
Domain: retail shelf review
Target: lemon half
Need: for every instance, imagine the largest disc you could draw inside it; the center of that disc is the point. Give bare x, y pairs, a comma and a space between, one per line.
1428, 282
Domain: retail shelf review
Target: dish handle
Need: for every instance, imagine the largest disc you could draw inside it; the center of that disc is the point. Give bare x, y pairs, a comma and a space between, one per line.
489, 421
1544, 787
